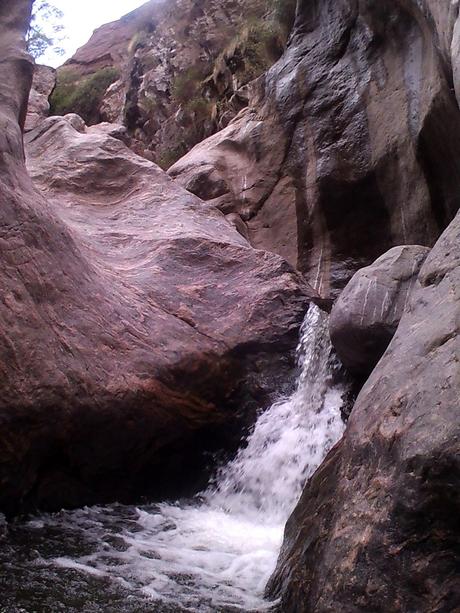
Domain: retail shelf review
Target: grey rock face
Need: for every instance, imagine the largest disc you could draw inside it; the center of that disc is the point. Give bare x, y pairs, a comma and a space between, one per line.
352, 146
365, 316
376, 528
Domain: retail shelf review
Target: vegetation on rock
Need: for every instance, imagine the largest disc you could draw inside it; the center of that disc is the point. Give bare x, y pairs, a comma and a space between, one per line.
184, 76
284, 14
81, 96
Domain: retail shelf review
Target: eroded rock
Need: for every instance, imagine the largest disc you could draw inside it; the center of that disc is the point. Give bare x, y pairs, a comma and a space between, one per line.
376, 528
350, 146
76, 122
367, 313
138, 329
182, 69
114, 130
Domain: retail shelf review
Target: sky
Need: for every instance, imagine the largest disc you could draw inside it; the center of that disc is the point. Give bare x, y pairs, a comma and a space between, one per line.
81, 18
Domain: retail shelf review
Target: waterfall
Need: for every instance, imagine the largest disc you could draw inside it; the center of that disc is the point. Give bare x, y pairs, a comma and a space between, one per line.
216, 552
290, 439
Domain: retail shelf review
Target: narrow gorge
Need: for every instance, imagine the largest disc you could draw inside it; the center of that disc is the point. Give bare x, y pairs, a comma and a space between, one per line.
229, 311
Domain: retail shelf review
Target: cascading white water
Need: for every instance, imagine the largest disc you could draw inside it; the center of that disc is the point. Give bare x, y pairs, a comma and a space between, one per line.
217, 552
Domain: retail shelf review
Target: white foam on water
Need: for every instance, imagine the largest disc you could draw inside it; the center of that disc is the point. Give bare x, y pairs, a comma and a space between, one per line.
219, 550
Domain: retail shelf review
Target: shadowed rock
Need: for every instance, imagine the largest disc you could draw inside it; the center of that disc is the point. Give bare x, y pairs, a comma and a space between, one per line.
137, 329
351, 146
367, 313
376, 528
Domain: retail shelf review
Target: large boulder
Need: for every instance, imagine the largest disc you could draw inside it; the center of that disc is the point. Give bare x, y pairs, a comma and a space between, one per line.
376, 528
138, 330
351, 145
366, 315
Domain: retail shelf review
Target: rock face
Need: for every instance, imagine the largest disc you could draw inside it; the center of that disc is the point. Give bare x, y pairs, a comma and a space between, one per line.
138, 329
182, 69
107, 47
43, 84
376, 528
351, 145
367, 313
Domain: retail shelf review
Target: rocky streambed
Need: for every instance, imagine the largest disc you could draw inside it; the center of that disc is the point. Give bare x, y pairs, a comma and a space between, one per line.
149, 324
212, 553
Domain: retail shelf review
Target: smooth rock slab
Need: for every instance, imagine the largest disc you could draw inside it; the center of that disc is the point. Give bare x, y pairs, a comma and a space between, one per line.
138, 330
365, 316
43, 83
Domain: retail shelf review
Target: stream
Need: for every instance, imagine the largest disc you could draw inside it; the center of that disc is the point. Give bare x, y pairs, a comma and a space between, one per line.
212, 554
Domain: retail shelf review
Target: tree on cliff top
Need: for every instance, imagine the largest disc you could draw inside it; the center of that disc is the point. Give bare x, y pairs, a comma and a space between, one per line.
45, 29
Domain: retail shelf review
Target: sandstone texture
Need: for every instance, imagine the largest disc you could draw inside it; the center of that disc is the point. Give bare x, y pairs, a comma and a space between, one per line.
146, 317
349, 146
367, 313
138, 328
376, 528
38, 108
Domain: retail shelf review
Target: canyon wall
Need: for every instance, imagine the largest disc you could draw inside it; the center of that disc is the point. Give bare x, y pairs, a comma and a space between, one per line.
174, 71
376, 528
350, 147
143, 324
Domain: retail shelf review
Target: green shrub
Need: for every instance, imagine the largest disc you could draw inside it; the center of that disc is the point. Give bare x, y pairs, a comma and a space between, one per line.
200, 107
82, 96
261, 46
148, 104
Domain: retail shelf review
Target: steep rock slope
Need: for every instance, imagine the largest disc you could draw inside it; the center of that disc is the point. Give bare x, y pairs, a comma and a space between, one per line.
376, 528
137, 328
351, 146
179, 69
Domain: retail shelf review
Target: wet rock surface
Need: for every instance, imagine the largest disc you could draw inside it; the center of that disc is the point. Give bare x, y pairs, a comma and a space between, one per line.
367, 313
138, 330
31, 581
376, 528
350, 146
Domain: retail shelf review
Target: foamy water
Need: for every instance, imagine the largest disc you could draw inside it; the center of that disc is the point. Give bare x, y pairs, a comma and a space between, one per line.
216, 552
